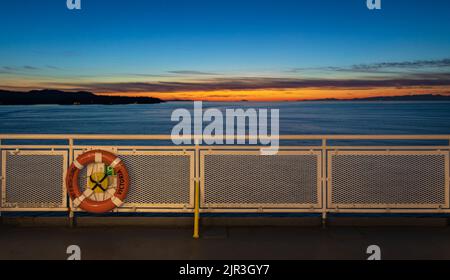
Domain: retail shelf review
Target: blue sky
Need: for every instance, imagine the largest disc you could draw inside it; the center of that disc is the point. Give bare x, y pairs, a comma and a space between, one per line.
152, 41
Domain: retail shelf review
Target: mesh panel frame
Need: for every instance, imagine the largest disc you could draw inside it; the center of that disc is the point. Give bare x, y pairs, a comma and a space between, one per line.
292, 193
437, 196
392, 179
156, 197
25, 180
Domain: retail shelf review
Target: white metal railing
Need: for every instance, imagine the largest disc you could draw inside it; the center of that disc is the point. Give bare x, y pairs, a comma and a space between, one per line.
324, 177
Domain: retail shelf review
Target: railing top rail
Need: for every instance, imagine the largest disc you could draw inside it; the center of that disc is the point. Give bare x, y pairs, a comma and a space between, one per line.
246, 137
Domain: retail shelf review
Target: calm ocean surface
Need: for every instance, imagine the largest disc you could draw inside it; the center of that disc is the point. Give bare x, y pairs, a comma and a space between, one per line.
295, 117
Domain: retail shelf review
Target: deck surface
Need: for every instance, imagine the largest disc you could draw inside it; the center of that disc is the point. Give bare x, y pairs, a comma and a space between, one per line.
225, 243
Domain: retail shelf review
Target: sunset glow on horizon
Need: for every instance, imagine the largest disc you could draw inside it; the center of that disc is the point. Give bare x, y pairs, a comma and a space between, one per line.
268, 95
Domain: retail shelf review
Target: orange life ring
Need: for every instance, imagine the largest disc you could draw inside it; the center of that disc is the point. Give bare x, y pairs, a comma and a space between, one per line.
82, 200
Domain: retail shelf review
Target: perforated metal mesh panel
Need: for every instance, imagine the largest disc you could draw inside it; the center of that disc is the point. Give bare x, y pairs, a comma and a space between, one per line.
34, 179
157, 179
247, 179
388, 179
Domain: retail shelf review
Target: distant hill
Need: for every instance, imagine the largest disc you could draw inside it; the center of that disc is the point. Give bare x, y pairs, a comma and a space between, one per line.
418, 97
46, 96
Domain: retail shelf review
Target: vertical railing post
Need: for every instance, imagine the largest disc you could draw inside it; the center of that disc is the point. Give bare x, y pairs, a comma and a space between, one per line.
448, 174
324, 182
197, 191
71, 212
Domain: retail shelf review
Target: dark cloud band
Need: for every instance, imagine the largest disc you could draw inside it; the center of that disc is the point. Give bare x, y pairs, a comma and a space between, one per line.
252, 83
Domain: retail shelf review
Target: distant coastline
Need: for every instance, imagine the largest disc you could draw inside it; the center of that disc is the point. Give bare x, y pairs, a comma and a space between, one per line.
57, 97
418, 97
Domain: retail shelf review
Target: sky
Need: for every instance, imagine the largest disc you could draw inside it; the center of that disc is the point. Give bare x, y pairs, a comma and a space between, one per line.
227, 50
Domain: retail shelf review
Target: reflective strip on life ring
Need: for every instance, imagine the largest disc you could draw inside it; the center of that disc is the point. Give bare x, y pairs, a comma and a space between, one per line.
82, 200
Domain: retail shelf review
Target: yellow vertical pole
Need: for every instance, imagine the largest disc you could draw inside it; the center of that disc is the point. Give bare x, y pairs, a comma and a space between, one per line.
196, 211
197, 190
